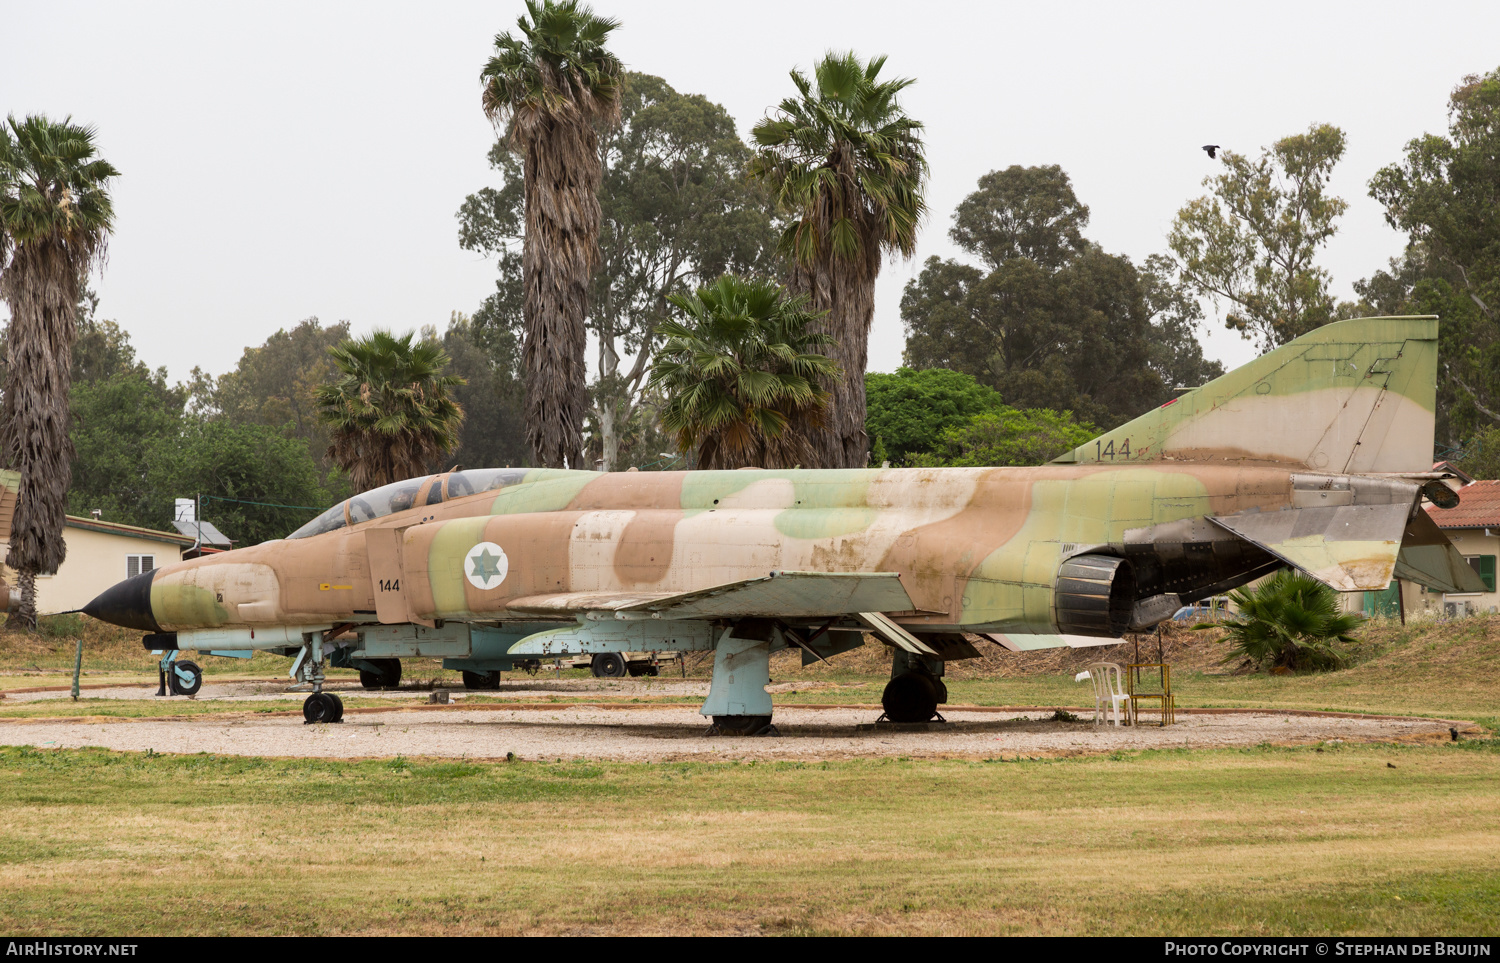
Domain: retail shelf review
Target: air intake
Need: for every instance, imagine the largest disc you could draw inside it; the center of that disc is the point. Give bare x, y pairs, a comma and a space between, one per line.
1095, 595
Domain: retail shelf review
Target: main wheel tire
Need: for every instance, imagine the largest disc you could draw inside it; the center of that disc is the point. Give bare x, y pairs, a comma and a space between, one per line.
321, 707
338, 706
481, 680
740, 725
385, 674
609, 665
187, 687
911, 697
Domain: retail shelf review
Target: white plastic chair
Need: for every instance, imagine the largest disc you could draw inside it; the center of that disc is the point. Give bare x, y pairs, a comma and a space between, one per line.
1109, 691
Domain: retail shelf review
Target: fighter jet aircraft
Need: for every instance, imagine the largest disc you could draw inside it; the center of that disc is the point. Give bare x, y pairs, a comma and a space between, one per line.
1316, 455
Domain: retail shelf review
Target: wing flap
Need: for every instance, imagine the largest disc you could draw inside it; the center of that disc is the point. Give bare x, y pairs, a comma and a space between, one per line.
796, 595
1428, 558
1350, 548
1023, 642
894, 634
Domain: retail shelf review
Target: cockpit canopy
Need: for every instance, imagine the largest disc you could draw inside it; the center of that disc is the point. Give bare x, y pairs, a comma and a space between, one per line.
412, 493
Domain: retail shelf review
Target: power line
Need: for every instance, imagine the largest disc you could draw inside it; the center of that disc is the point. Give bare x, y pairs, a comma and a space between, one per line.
242, 501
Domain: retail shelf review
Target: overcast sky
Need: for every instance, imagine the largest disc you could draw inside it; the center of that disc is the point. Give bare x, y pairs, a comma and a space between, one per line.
281, 161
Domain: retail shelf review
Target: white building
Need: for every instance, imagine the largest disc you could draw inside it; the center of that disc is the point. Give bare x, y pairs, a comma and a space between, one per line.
99, 555
1474, 529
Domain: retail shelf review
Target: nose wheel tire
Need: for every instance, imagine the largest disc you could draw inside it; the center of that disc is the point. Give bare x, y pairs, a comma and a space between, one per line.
386, 674
322, 707
912, 697
481, 680
609, 665
185, 678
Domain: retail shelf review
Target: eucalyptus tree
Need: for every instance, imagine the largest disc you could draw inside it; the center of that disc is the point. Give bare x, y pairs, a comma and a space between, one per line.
1252, 242
1444, 194
1048, 318
390, 410
848, 165
552, 86
55, 217
677, 212
742, 376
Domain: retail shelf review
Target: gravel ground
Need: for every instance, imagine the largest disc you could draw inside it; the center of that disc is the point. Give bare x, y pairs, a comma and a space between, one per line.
524, 690
639, 733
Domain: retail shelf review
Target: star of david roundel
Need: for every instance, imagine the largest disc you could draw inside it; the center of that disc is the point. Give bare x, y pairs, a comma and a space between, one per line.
486, 566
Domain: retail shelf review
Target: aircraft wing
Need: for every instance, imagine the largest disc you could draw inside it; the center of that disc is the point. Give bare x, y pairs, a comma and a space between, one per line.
1349, 548
796, 595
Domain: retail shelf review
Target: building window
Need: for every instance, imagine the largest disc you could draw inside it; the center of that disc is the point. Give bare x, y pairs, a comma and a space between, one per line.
136, 564
1484, 567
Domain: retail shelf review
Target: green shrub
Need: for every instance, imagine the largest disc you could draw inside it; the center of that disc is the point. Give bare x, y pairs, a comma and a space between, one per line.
68, 626
1291, 622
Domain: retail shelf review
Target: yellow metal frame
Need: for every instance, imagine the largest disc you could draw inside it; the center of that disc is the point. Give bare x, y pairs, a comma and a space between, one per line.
1165, 697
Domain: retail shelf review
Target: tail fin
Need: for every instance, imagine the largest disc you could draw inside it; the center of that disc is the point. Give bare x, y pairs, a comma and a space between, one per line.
1353, 396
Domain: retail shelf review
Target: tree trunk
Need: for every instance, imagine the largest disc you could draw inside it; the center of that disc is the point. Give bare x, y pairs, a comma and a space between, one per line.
609, 432
559, 253
41, 287
23, 616
845, 289
609, 436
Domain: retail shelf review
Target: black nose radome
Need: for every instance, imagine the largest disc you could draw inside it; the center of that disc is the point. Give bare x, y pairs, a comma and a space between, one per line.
126, 604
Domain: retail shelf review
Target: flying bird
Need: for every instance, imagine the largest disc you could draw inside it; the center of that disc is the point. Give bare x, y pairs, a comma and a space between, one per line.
1211, 148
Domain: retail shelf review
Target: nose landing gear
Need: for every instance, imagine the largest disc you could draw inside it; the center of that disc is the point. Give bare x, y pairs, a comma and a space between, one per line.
320, 706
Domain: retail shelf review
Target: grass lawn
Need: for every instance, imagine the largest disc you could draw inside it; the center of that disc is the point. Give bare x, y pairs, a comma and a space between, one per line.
1257, 841
1261, 841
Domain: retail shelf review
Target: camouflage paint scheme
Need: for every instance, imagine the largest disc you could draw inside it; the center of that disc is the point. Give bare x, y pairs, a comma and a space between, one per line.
1314, 455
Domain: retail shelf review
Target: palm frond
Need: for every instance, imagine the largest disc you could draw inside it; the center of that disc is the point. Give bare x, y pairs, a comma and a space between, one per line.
737, 375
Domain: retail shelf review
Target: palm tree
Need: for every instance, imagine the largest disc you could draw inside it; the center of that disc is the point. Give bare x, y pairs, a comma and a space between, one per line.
55, 219
740, 375
390, 412
555, 85
846, 162
1291, 621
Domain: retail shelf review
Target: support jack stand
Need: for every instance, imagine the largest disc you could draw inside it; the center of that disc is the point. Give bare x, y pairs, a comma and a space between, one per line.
936, 724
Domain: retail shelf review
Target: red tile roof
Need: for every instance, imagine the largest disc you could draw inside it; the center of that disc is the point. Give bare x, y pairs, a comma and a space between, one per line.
1479, 507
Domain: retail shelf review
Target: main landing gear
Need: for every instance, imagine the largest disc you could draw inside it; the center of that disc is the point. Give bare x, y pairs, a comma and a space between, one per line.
380, 674
916, 688
738, 702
